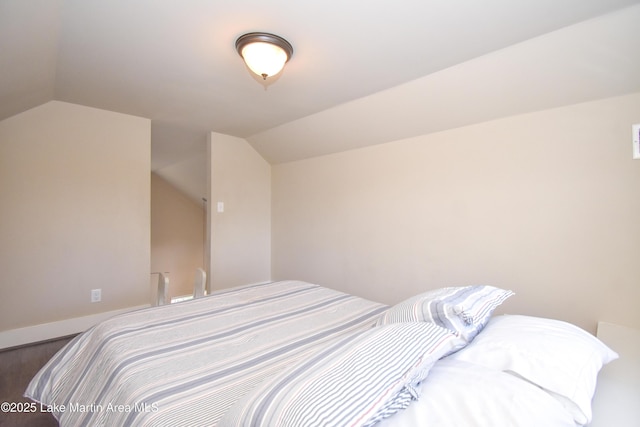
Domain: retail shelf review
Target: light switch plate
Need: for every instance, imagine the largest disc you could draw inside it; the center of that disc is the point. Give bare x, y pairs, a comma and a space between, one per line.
636, 141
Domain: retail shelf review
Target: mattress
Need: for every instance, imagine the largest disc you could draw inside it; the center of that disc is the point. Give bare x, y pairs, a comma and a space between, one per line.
293, 354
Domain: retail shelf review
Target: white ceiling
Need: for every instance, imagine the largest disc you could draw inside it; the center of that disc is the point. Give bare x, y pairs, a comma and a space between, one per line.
362, 72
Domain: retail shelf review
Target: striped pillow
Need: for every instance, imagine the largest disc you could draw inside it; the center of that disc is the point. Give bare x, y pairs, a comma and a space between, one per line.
463, 310
357, 381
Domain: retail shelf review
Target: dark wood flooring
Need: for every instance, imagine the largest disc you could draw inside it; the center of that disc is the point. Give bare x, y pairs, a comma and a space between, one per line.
17, 367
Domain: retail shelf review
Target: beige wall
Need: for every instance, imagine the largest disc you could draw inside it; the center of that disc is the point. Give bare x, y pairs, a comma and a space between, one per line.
74, 200
241, 235
546, 204
177, 236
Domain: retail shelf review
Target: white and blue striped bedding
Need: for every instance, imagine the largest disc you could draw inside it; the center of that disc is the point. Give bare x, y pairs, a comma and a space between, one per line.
186, 364
292, 354
464, 310
357, 381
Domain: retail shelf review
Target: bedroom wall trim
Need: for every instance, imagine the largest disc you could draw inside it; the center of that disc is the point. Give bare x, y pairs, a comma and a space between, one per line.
61, 328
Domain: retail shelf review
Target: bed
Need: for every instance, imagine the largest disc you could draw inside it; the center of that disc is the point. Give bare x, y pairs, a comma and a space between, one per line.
292, 353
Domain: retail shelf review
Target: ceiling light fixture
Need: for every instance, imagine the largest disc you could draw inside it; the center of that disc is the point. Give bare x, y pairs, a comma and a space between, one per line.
265, 54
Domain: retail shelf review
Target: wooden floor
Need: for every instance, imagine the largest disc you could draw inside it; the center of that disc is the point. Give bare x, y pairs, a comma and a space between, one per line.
17, 367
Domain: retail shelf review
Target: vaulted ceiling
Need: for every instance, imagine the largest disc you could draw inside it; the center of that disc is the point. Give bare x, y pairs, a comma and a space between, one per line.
363, 72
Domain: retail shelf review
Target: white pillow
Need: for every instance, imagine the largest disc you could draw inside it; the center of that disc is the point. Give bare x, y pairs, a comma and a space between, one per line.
462, 394
464, 310
556, 356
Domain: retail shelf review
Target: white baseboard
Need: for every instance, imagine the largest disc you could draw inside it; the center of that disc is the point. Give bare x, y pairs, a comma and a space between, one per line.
47, 331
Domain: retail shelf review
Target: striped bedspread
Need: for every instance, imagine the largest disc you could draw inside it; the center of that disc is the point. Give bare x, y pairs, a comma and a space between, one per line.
185, 364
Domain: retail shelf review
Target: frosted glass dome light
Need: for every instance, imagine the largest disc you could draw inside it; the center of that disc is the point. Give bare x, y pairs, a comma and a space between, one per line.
265, 54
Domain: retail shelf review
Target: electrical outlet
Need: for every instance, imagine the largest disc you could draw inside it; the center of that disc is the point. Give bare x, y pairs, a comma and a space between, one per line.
96, 295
